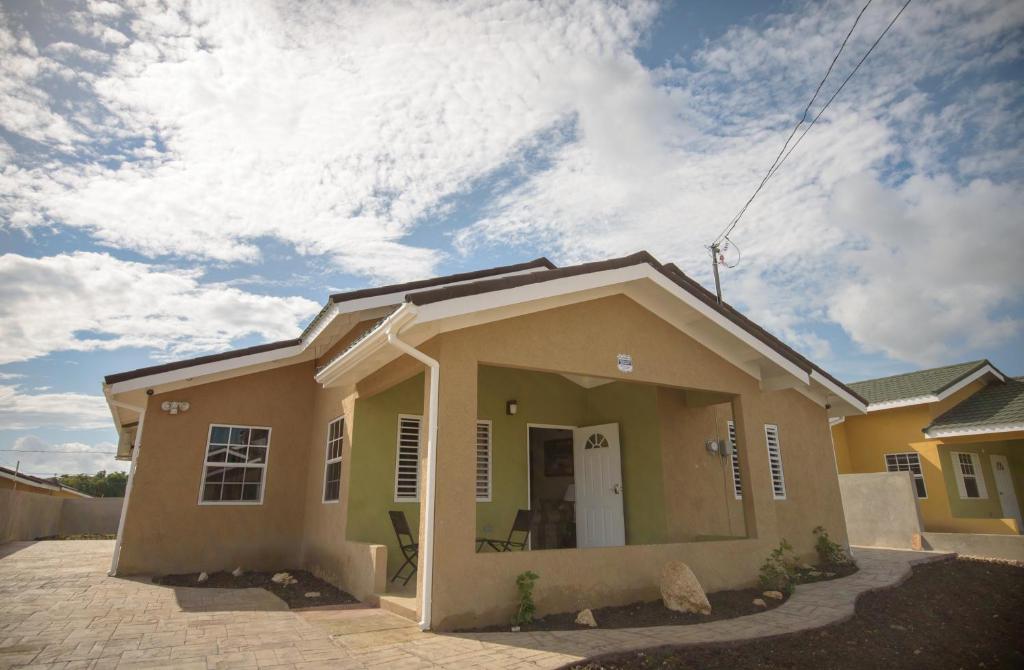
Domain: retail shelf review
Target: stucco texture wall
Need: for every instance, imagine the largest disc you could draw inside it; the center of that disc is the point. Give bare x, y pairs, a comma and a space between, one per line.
167, 530
881, 509
25, 515
585, 339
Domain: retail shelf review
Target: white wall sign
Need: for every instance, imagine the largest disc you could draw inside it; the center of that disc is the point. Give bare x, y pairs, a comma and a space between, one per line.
625, 363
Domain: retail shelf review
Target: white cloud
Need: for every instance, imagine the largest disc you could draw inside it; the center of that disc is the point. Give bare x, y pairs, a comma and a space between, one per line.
67, 411
90, 459
666, 161
89, 301
334, 128
922, 262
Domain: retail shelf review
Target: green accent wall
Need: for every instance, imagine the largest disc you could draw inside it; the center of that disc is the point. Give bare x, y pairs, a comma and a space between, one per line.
989, 507
371, 491
543, 398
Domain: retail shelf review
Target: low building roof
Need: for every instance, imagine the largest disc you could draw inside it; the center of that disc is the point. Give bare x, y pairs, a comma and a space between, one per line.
51, 483
922, 385
997, 408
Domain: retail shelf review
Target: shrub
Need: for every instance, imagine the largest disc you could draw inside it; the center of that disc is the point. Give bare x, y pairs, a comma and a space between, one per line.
829, 552
524, 585
777, 573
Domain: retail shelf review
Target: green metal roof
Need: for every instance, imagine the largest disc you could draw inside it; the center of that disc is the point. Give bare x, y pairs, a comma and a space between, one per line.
998, 404
915, 384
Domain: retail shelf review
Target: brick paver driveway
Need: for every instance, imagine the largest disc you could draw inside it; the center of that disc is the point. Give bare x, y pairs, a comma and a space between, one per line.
58, 609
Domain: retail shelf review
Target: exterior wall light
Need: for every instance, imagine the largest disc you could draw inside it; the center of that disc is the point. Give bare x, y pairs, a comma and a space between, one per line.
511, 407
174, 407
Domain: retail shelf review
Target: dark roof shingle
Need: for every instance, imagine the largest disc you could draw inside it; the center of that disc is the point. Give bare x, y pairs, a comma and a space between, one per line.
998, 404
915, 384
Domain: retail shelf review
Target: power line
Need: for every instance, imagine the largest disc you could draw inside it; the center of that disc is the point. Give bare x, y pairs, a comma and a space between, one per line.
848, 77
772, 168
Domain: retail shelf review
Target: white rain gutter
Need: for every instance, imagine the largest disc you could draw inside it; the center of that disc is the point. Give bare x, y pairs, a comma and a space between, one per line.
131, 479
428, 535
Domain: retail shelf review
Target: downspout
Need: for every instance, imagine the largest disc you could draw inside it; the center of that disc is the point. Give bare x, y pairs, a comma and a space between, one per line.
428, 539
131, 480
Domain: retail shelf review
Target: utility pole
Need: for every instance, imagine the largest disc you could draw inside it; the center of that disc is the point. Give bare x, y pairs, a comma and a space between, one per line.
714, 266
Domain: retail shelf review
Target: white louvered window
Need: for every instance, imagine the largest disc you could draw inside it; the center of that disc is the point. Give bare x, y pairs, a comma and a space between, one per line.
771, 437
737, 485
970, 482
332, 468
908, 462
483, 461
407, 464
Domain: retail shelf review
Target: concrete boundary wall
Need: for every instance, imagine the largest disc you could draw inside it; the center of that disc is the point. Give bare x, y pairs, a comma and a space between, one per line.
27, 516
881, 509
1004, 547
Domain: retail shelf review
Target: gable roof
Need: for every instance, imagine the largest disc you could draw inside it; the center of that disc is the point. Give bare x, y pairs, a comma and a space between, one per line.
922, 386
670, 271
535, 273
51, 483
997, 408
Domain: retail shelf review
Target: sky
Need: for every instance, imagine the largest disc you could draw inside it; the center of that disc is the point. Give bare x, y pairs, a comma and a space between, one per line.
178, 179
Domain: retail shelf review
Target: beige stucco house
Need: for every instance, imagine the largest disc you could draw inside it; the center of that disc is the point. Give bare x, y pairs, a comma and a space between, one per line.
603, 397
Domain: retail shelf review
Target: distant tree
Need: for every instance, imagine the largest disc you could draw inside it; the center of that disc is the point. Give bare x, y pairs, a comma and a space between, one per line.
99, 485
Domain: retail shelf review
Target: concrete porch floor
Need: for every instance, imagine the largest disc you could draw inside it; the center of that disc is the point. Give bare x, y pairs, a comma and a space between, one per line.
59, 609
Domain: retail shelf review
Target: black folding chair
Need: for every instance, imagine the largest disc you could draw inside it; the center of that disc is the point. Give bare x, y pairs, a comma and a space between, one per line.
409, 547
522, 523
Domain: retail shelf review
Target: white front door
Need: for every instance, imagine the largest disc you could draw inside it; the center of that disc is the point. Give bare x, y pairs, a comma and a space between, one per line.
1004, 485
597, 461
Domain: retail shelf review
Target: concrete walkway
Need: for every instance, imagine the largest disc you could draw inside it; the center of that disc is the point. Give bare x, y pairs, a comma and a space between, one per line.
58, 609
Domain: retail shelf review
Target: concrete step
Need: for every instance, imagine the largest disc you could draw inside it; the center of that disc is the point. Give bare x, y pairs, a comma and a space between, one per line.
402, 604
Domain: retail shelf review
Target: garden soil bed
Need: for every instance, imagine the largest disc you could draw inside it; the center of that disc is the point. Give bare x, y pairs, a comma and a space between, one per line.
724, 605
293, 594
951, 614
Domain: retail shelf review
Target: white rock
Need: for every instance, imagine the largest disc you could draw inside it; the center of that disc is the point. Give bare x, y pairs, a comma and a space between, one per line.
760, 603
313, 594
774, 595
238, 572
681, 591
586, 618
283, 578
814, 573
202, 577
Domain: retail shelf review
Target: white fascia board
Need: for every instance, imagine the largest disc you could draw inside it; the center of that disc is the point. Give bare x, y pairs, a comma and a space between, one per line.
902, 402
205, 369
858, 406
974, 430
973, 377
836, 420
578, 283
367, 346
398, 297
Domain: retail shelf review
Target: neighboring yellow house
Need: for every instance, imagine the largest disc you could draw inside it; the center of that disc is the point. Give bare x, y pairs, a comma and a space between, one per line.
959, 429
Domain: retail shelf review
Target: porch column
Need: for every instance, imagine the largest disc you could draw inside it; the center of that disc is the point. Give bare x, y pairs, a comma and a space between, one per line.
455, 501
758, 503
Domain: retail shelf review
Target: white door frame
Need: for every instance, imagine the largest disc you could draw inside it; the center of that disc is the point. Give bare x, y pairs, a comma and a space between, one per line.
610, 456
999, 490
529, 475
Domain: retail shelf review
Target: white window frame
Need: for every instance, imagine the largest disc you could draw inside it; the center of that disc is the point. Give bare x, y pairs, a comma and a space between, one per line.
328, 461
768, 428
398, 456
737, 483
979, 475
489, 483
908, 454
264, 477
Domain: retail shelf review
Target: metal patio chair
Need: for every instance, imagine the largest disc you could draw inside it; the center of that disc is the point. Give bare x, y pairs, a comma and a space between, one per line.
410, 548
521, 524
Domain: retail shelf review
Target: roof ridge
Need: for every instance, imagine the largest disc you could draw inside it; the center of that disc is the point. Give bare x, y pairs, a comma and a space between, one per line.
974, 364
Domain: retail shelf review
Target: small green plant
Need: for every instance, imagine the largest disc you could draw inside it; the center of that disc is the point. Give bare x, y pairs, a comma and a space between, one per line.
829, 552
524, 585
777, 572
